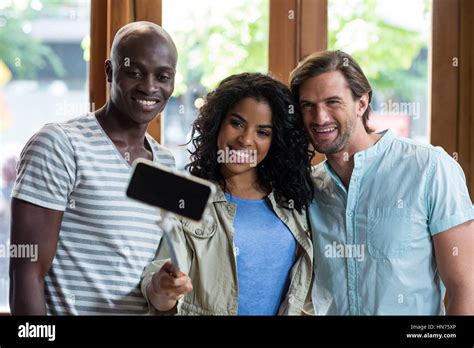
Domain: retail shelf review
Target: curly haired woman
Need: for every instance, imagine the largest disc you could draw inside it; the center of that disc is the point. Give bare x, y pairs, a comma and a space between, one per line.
252, 255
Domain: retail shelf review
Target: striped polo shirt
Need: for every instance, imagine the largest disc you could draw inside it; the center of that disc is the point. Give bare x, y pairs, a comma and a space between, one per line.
106, 239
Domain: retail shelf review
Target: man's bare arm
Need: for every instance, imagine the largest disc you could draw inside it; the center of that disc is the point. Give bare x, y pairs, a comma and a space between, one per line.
454, 250
39, 226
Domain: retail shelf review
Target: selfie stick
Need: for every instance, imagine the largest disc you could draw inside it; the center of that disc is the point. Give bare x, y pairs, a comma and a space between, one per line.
166, 224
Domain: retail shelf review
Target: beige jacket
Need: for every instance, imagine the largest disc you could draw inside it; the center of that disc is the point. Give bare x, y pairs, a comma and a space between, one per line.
205, 252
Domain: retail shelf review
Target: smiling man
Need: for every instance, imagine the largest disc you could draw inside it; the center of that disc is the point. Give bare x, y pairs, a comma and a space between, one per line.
402, 207
69, 196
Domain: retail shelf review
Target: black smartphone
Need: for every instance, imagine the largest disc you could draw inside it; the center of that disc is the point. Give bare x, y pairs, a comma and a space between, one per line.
165, 188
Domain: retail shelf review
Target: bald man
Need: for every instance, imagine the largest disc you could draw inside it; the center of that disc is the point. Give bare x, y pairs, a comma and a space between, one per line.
69, 203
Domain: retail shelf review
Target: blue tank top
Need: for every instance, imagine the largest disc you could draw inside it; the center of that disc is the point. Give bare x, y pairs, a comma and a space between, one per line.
266, 252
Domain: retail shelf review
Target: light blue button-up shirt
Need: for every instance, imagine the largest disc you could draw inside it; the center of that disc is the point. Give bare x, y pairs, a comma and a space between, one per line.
373, 249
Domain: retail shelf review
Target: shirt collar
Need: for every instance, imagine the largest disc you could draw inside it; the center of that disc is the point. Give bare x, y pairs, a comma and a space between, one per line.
380, 146
218, 195
375, 150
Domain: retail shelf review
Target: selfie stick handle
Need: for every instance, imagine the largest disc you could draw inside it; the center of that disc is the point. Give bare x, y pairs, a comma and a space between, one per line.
166, 223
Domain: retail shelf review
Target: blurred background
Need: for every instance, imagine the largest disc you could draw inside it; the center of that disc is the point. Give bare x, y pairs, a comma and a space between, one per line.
45, 57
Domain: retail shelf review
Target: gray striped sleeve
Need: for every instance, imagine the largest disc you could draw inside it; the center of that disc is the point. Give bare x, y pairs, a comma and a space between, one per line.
46, 170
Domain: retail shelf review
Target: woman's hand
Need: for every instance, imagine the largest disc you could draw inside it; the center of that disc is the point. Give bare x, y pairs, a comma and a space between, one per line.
167, 287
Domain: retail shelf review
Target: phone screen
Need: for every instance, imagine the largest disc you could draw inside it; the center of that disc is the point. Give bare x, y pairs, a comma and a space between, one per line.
172, 192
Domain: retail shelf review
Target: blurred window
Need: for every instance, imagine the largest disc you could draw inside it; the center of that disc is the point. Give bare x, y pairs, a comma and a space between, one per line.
389, 39
44, 53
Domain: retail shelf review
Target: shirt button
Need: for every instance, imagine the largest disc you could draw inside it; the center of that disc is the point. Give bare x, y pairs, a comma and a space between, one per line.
291, 299
199, 231
350, 214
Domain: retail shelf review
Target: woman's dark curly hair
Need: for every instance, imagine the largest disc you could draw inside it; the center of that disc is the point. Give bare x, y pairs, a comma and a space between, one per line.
286, 168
